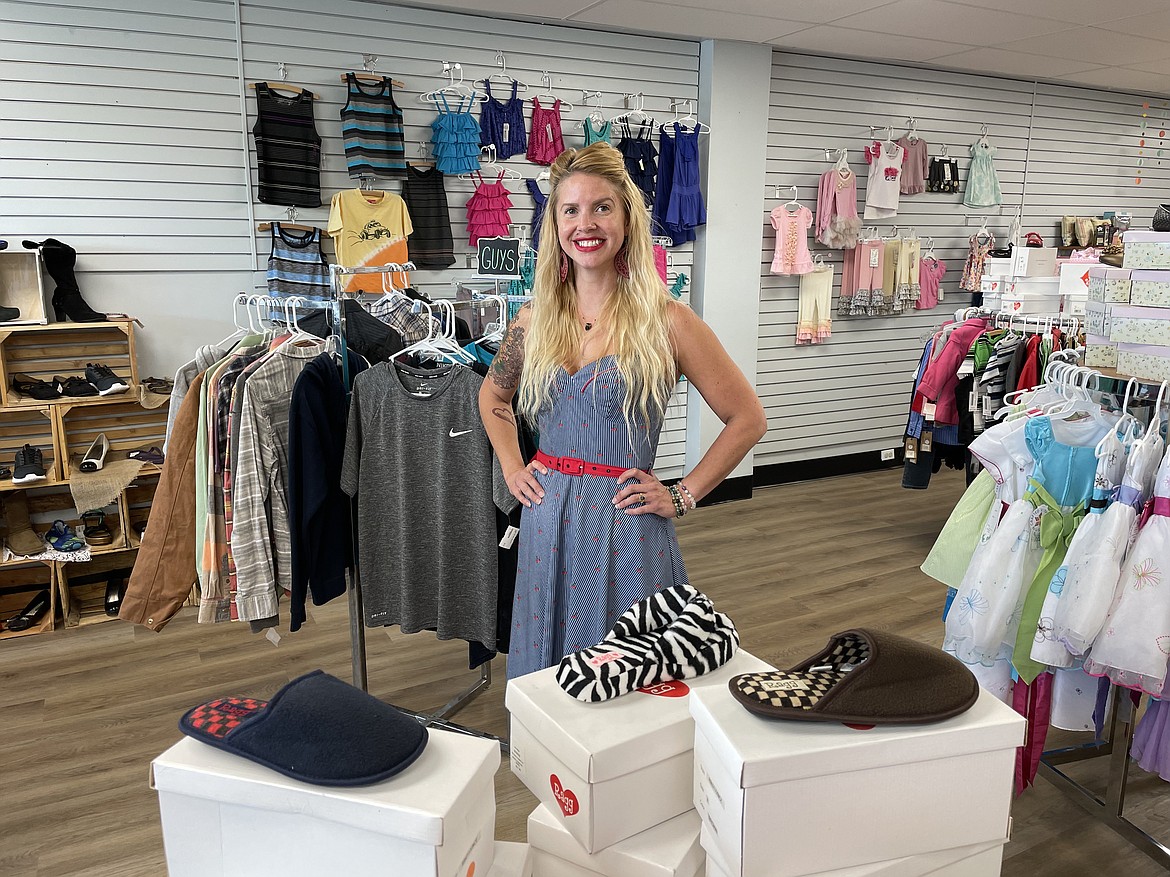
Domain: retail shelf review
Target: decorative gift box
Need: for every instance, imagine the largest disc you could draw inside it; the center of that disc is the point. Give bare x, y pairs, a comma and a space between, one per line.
1109, 284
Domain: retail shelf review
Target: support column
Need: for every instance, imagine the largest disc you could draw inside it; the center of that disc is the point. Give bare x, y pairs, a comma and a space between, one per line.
734, 89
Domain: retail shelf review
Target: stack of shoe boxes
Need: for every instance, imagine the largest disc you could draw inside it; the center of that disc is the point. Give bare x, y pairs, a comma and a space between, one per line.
1108, 287
1140, 328
615, 779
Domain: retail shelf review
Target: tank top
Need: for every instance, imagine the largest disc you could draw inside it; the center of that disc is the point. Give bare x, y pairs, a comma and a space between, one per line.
431, 244
539, 202
595, 136
371, 123
297, 266
288, 149
502, 124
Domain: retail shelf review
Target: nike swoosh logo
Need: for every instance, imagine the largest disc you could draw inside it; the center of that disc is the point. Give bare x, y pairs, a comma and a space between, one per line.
452, 433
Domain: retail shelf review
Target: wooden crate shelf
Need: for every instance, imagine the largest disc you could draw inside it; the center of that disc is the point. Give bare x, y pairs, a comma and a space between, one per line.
18, 585
64, 349
82, 586
47, 506
32, 426
126, 424
137, 499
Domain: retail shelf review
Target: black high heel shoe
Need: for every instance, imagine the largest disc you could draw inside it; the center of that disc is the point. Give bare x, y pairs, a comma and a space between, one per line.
115, 591
30, 614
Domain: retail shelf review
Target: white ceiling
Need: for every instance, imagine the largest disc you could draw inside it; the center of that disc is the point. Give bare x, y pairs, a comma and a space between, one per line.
1118, 44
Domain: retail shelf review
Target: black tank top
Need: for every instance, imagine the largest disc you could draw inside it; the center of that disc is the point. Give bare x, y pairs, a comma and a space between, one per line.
288, 149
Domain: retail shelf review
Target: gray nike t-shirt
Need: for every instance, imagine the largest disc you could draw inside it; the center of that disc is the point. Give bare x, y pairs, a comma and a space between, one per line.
419, 462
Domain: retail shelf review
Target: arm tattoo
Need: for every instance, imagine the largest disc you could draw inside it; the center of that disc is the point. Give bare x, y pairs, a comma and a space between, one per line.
504, 414
508, 363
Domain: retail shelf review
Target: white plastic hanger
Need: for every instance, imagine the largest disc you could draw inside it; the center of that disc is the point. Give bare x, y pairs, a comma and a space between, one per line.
487, 162
689, 118
912, 129
459, 89
546, 84
503, 74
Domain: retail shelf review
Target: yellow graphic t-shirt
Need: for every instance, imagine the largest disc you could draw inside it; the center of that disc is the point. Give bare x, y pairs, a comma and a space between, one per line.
370, 229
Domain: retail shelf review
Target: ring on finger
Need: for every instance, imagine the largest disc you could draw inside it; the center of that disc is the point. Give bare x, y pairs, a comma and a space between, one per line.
642, 498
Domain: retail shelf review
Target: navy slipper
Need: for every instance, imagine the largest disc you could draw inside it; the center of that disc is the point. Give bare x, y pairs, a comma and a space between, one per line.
316, 729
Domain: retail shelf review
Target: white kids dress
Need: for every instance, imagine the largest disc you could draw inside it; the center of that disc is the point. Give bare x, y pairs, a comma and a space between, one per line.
982, 180
882, 190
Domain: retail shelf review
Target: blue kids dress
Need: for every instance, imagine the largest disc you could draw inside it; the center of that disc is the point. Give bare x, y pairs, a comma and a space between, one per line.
686, 209
584, 562
982, 180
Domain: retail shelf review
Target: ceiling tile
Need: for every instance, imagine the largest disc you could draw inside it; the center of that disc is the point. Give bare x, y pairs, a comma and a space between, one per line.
811, 13
686, 21
834, 40
1154, 24
1162, 66
931, 19
531, 9
1123, 79
997, 62
1094, 45
1074, 12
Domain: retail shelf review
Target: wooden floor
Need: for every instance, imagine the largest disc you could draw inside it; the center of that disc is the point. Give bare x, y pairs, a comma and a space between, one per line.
82, 712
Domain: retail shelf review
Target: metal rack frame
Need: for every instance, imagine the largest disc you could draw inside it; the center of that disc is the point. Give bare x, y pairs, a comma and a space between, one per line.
440, 718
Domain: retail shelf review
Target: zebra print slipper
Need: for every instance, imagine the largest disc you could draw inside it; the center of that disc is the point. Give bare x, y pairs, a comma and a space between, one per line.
674, 634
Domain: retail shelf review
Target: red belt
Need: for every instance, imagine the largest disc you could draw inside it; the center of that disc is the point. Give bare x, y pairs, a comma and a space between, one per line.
572, 466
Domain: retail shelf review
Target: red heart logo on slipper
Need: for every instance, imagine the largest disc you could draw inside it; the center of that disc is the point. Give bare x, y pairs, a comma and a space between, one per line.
570, 806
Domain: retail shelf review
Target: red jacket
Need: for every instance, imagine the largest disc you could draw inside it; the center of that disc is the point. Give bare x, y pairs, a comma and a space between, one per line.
938, 384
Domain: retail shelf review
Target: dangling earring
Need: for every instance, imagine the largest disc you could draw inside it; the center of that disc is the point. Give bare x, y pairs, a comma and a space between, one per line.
564, 267
620, 263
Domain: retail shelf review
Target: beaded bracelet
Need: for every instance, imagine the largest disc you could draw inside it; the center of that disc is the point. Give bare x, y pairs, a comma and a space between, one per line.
676, 498
690, 496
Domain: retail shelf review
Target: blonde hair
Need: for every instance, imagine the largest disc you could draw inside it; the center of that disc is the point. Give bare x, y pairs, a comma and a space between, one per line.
636, 314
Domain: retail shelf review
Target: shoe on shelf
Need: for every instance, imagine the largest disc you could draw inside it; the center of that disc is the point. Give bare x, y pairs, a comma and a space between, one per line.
30, 614
102, 378
152, 454
30, 466
34, 388
60, 259
95, 457
97, 532
62, 538
22, 539
74, 386
7, 315
115, 591
161, 386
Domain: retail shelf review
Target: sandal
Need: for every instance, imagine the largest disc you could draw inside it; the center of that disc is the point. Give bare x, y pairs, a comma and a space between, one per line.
34, 388
152, 454
96, 531
62, 538
162, 386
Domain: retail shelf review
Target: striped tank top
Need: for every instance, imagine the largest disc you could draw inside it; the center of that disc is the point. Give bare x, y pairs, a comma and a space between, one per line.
371, 123
288, 149
297, 266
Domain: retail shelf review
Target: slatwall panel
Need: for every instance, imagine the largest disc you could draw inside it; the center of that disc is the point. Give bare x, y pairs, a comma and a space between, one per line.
318, 44
850, 394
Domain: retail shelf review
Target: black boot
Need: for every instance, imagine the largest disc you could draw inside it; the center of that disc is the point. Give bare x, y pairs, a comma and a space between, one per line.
67, 301
7, 315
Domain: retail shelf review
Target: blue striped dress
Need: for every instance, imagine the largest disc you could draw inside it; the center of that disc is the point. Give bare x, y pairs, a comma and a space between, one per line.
583, 562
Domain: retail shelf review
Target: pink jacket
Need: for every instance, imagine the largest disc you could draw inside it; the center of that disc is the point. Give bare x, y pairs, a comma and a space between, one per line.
941, 377
835, 201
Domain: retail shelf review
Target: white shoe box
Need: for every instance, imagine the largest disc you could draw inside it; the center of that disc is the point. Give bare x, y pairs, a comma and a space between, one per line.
977, 860
1074, 280
1137, 325
1099, 319
613, 769
1150, 289
225, 815
667, 850
510, 860
1033, 262
1146, 250
1100, 352
829, 796
1109, 285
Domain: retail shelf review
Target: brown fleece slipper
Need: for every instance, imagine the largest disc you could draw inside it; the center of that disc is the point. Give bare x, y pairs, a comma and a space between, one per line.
863, 676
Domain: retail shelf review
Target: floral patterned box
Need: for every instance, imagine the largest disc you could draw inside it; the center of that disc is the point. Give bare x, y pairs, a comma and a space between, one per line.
1151, 362
1100, 352
1098, 319
1109, 284
1141, 326
1150, 289
1147, 249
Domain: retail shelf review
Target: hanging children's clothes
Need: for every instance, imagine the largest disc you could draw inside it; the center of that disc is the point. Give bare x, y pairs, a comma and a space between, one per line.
600, 135
867, 282
371, 124
883, 187
487, 210
297, 266
791, 256
884, 303
686, 209
907, 286
539, 202
431, 245
369, 229
288, 149
662, 193
838, 224
455, 137
638, 154
545, 142
501, 123
915, 167
660, 261
982, 180
976, 257
930, 274
944, 175
814, 321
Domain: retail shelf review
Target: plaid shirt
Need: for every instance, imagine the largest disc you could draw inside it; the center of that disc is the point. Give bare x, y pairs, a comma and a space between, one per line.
398, 312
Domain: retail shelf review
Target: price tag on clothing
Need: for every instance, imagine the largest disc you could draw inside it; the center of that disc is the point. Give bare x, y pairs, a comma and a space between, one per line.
941, 297
973, 401
928, 410
874, 256
987, 412
946, 169
979, 422
641, 165
966, 369
926, 441
548, 129
507, 131
509, 538
272, 636
911, 449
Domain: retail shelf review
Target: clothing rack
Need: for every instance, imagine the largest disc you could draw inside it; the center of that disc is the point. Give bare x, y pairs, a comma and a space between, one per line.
440, 718
1116, 744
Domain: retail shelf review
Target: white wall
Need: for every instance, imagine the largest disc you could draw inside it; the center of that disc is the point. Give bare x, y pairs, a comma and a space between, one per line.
1059, 150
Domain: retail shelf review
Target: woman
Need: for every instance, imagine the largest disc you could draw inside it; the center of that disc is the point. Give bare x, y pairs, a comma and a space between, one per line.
595, 358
